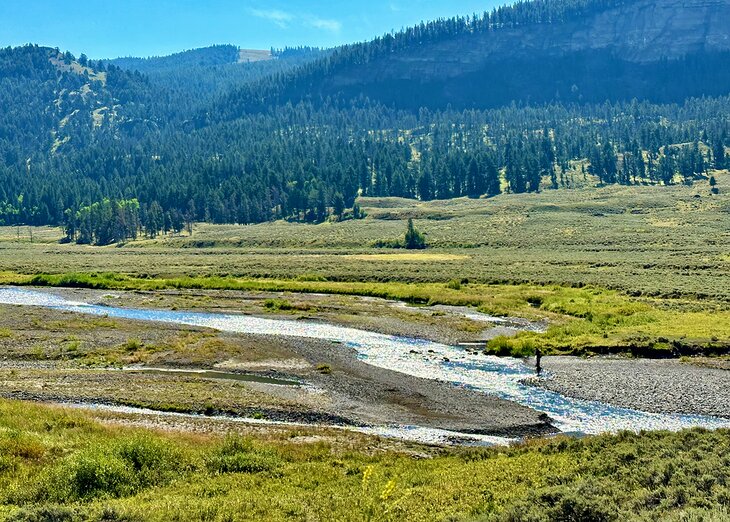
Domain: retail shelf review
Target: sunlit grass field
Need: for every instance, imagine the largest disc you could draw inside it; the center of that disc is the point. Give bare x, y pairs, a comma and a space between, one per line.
643, 240
62, 465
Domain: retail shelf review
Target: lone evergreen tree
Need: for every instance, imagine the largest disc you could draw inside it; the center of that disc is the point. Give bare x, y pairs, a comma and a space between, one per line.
718, 153
414, 239
357, 211
713, 185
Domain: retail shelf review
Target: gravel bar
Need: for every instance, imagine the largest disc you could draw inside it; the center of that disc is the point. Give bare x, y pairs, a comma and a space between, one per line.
651, 385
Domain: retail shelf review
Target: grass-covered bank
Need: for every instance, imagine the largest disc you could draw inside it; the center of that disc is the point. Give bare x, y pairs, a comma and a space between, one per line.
582, 320
62, 465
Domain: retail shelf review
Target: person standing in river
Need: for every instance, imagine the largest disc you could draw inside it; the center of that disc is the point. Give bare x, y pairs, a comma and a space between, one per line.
538, 356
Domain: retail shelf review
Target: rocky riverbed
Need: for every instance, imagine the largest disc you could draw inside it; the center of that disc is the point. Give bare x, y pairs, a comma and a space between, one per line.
360, 377
652, 385
57, 355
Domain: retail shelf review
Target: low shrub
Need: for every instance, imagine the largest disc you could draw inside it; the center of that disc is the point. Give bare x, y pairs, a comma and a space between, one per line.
88, 475
238, 455
283, 305
388, 243
582, 503
21, 445
133, 345
117, 470
454, 284
46, 513
310, 278
324, 369
276, 305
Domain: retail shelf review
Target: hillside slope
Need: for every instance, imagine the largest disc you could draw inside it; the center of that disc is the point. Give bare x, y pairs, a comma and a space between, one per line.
82, 139
50, 98
189, 81
660, 50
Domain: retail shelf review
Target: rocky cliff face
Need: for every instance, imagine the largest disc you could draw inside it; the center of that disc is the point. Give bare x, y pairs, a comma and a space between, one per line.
624, 44
644, 31
649, 30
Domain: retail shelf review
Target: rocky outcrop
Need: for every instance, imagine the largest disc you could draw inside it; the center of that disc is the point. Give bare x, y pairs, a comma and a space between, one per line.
638, 32
657, 50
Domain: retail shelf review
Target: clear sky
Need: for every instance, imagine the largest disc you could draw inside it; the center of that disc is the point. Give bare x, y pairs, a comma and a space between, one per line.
112, 28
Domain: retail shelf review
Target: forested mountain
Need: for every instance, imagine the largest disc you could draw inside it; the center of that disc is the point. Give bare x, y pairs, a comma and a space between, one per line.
533, 52
112, 149
203, 57
193, 80
49, 98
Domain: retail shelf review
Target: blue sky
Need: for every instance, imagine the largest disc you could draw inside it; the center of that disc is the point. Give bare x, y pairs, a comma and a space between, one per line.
111, 28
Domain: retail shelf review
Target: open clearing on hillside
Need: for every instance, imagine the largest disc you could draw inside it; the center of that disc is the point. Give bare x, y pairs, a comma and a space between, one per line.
253, 55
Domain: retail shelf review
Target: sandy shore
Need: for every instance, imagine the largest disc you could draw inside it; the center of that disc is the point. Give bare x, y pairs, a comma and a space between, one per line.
651, 385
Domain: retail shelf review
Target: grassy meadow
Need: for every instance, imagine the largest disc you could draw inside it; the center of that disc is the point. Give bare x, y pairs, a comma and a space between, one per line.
643, 240
62, 465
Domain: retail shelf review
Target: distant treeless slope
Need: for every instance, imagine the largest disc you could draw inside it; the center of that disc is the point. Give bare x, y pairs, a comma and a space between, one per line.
253, 55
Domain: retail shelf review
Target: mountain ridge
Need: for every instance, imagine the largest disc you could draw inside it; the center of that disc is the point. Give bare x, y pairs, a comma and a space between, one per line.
528, 55
223, 142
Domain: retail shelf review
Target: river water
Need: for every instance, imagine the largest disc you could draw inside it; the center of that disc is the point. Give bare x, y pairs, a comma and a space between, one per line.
496, 376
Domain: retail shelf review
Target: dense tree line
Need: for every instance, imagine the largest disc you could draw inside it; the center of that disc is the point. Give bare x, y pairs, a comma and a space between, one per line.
112, 221
204, 57
305, 164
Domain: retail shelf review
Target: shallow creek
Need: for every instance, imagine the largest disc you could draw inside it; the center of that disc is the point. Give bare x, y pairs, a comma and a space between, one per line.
501, 377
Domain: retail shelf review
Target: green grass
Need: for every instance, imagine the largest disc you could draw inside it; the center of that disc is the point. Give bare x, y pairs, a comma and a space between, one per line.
61, 463
284, 305
583, 320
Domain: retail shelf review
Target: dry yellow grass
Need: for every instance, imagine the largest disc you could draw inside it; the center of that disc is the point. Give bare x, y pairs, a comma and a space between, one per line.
408, 256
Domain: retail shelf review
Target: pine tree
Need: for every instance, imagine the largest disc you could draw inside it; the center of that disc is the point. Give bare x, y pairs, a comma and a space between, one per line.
475, 183
719, 155
492, 177
425, 186
666, 168
338, 205
414, 240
